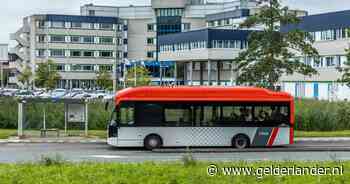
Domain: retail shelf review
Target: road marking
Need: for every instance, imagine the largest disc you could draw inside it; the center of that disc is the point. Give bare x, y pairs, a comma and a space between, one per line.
107, 156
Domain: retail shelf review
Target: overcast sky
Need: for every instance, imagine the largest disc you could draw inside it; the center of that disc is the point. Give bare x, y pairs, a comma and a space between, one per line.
12, 11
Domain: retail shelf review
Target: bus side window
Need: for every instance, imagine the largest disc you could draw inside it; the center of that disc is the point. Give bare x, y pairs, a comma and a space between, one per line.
127, 114
177, 115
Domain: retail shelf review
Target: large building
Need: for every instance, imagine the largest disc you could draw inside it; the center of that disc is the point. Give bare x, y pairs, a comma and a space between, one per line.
3, 62
190, 42
79, 45
209, 53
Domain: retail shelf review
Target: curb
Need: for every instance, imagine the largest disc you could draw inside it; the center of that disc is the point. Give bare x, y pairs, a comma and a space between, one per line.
52, 141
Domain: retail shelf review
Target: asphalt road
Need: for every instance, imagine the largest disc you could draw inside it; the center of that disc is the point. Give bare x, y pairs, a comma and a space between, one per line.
307, 150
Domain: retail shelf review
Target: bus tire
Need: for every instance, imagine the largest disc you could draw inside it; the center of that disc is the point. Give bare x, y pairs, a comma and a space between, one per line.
153, 141
240, 141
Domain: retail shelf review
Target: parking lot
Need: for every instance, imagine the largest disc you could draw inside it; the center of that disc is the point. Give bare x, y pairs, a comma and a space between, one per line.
76, 93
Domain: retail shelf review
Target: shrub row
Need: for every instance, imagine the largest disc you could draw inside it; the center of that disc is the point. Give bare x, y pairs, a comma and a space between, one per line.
310, 115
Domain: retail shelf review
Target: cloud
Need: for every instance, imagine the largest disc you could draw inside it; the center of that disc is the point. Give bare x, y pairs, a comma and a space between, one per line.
13, 11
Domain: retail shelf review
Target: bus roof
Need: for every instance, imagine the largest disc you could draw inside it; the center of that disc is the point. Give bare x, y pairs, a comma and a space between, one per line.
229, 94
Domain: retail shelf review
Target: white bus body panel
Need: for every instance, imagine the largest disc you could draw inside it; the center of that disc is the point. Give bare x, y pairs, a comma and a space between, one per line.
200, 136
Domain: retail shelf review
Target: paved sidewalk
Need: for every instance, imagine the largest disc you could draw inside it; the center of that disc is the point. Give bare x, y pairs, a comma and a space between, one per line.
53, 140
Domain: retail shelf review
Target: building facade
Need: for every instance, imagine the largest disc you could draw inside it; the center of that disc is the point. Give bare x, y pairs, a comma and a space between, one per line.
3, 63
79, 45
190, 42
162, 17
331, 32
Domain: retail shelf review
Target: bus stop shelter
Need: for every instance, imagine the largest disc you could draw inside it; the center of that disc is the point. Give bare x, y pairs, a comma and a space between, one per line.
75, 110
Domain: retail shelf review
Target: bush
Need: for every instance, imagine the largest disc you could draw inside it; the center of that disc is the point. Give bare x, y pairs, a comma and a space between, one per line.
314, 115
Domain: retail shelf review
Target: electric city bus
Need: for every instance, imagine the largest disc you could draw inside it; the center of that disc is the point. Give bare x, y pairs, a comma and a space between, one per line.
155, 117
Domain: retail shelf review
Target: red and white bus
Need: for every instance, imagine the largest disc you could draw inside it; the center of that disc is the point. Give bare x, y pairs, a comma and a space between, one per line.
154, 117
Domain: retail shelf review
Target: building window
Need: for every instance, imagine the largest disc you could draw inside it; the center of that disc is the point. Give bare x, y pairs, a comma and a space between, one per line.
87, 25
169, 12
106, 67
75, 39
41, 53
41, 38
88, 39
42, 24
125, 41
330, 61
150, 27
58, 24
57, 53
150, 54
187, 26
57, 38
91, 12
106, 26
227, 21
76, 25
106, 40
88, 54
106, 54
60, 67
150, 41
83, 67
75, 53
327, 35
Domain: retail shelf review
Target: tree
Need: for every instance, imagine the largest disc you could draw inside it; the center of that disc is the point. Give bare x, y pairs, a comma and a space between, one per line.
47, 75
346, 70
104, 79
25, 75
142, 75
271, 53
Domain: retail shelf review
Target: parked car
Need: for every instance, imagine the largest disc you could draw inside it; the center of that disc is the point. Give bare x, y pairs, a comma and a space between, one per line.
9, 92
24, 93
99, 94
58, 93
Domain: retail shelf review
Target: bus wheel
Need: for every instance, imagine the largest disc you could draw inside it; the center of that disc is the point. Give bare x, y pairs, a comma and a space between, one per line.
152, 142
240, 141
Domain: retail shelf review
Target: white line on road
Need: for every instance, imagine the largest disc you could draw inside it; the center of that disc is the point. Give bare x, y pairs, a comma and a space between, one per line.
107, 156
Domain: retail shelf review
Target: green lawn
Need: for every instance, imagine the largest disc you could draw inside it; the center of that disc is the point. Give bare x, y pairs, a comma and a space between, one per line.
344, 133
50, 172
5, 133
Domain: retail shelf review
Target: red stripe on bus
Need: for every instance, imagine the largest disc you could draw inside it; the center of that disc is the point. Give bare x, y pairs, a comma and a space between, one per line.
273, 136
291, 135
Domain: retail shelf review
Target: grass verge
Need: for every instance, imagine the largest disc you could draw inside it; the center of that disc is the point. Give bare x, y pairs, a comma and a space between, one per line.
102, 134
6, 133
344, 133
167, 173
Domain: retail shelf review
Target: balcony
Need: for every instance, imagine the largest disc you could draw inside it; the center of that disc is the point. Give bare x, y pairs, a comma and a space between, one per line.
17, 36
